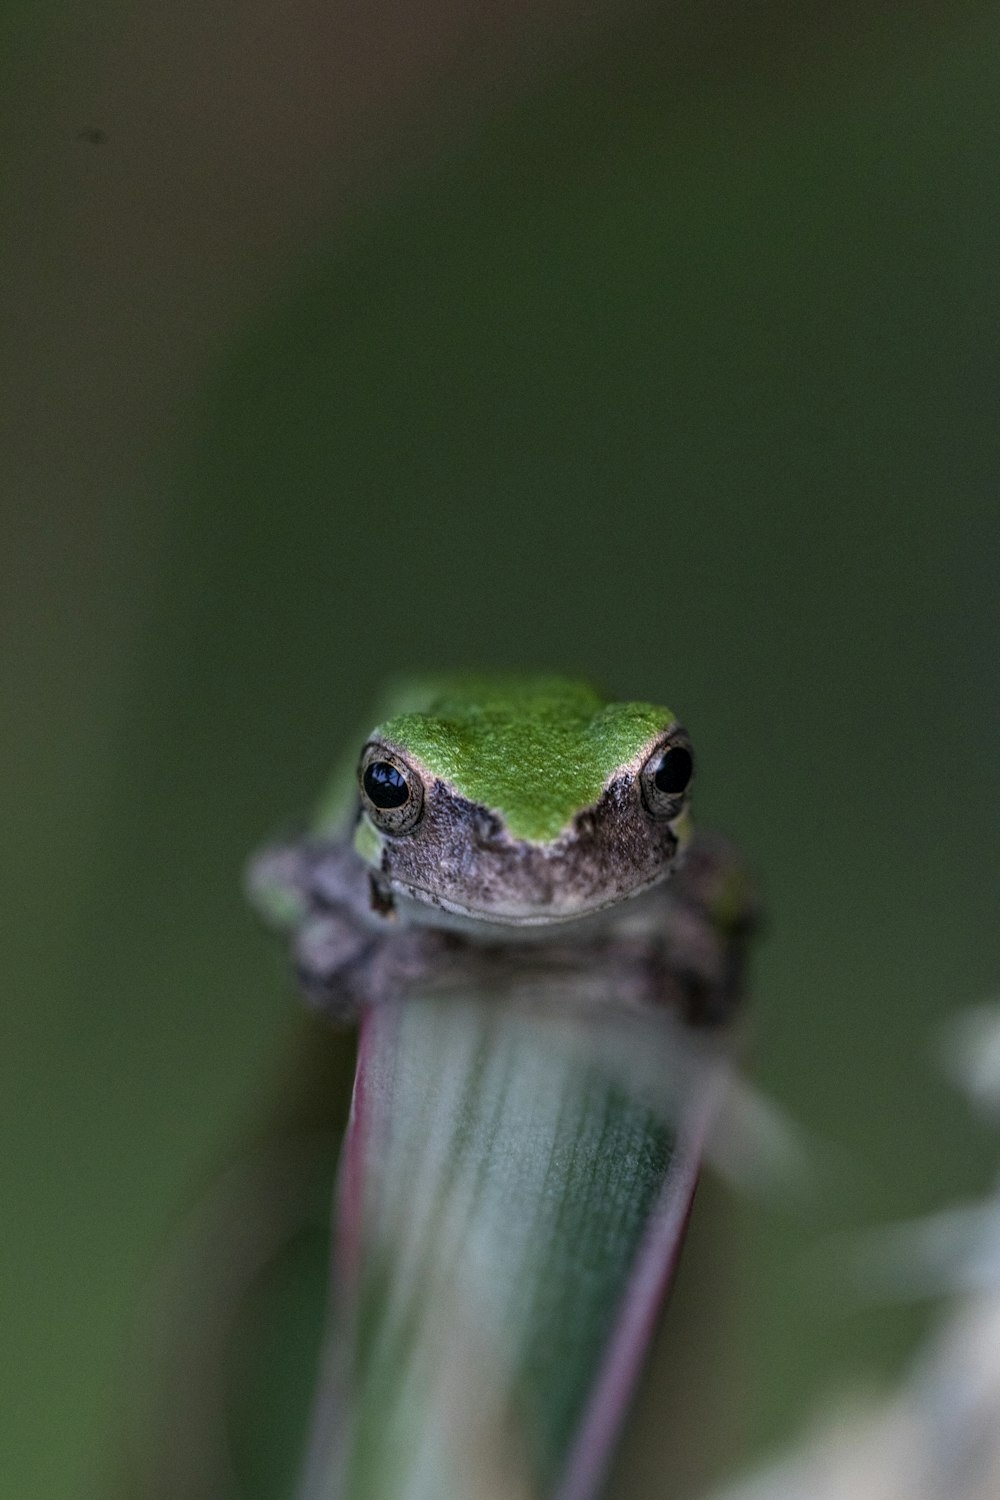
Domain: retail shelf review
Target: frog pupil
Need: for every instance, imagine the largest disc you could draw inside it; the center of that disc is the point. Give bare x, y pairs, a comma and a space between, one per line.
384, 785
674, 771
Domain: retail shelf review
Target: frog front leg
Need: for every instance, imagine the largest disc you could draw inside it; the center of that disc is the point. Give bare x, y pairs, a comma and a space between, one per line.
347, 947
684, 946
710, 912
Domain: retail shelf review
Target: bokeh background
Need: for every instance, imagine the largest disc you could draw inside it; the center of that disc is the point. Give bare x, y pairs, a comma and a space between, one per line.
655, 343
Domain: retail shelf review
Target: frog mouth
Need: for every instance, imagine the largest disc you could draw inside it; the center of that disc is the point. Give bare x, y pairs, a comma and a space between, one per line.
427, 906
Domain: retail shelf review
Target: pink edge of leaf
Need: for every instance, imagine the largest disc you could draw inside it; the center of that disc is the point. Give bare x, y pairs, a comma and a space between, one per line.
655, 1264
351, 1181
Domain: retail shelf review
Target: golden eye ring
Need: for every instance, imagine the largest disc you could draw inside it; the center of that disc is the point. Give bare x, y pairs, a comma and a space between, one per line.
392, 794
666, 777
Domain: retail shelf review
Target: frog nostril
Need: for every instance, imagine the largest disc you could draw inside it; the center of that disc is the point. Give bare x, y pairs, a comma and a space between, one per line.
489, 832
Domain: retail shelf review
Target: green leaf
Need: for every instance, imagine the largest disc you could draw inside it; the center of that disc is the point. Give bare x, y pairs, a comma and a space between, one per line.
513, 1195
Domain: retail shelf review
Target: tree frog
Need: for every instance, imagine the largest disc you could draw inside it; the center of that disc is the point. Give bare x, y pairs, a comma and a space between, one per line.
499, 827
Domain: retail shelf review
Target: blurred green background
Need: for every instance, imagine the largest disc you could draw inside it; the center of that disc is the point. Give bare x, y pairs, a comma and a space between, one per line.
657, 344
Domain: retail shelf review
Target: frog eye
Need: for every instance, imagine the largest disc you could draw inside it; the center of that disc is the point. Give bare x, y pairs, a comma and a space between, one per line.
666, 776
391, 791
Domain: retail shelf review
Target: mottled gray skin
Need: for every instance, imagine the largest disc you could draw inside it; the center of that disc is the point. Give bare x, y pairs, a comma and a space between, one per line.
463, 860
354, 941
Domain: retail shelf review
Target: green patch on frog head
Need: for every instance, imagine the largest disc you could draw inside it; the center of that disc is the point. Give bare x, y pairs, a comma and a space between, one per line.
535, 751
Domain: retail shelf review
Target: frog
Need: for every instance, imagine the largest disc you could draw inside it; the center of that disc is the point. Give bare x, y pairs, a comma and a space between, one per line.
497, 830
